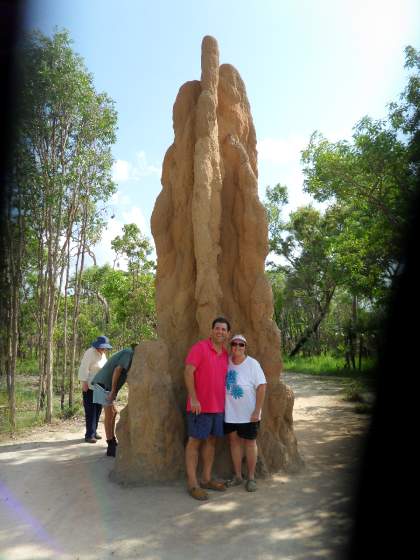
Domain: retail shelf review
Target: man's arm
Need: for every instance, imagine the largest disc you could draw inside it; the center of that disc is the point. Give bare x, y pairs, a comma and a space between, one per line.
189, 382
115, 378
255, 416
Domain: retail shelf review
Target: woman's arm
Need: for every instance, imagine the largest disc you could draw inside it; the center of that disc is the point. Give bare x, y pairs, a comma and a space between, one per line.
260, 395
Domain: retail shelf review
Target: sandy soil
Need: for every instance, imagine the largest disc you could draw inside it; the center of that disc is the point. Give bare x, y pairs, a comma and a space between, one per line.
56, 501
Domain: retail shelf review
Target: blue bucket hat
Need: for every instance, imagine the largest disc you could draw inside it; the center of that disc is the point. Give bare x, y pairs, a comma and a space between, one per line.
101, 342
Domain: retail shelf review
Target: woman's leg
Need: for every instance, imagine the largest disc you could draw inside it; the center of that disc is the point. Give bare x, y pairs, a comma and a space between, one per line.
251, 453
236, 451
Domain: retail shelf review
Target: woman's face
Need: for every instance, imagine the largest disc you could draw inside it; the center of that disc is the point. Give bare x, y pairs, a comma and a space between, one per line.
238, 348
101, 350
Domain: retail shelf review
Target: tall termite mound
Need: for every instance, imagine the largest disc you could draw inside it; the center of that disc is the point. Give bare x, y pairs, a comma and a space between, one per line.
211, 239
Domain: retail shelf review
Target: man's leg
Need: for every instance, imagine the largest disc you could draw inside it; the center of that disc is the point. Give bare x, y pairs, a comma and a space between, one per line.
207, 455
110, 416
251, 453
236, 451
191, 461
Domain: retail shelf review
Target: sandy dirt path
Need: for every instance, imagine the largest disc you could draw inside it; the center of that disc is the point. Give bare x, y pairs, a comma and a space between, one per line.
56, 501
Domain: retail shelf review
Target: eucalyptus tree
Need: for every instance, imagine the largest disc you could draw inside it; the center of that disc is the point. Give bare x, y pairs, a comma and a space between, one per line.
405, 114
68, 129
14, 244
372, 183
368, 185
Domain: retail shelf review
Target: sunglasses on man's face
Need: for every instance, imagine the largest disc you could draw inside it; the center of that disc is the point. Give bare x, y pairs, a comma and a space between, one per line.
240, 344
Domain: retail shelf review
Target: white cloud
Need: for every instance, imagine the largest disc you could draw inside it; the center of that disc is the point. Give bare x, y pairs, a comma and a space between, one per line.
120, 171
103, 252
123, 170
281, 150
136, 216
279, 161
142, 168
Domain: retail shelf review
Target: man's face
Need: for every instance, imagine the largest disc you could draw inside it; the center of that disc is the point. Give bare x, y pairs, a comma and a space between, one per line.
219, 333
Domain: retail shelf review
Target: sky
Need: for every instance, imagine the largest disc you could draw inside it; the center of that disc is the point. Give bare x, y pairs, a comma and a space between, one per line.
307, 65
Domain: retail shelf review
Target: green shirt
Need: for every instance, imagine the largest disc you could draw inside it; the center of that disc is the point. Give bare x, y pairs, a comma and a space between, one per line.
104, 376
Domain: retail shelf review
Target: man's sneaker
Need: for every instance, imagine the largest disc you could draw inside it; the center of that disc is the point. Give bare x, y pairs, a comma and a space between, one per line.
112, 447
90, 440
97, 436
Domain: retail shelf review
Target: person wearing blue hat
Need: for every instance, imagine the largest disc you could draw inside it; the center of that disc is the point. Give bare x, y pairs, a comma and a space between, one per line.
92, 361
106, 384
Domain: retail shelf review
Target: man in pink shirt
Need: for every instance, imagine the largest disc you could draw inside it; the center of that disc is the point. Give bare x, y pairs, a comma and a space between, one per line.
205, 377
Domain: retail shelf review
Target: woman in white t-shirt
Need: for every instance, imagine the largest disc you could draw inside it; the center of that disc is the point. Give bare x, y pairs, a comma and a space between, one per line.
245, 392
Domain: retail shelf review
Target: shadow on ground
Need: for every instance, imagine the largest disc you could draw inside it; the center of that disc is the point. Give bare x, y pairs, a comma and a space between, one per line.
57, 502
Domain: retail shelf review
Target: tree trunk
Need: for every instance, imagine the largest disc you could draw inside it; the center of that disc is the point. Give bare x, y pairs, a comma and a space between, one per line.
315, 325
41, 293
77, 289
64, 372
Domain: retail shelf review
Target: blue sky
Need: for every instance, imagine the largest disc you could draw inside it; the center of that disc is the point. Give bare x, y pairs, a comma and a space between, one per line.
307, 65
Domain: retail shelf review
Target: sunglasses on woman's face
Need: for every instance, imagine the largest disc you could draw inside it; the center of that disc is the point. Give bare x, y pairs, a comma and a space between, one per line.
240, 344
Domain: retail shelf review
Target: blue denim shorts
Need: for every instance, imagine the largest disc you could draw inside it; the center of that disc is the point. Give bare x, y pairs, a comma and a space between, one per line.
201, 426
100, 395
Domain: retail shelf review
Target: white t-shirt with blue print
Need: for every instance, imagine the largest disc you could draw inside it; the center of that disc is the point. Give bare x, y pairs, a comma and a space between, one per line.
242, 381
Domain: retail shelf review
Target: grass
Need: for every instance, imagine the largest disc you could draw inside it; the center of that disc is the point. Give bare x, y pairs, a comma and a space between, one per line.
326, 365
353, 392
357, 385
26, 392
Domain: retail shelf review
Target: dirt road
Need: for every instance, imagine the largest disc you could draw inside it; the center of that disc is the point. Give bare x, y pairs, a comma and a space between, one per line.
56, 501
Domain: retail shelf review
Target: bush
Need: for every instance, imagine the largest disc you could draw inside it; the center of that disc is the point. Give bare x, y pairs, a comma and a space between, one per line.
69, 412
353, 392
363, 408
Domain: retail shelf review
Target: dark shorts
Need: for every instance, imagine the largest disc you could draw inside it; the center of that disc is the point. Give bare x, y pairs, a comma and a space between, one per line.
249, 430
201, 426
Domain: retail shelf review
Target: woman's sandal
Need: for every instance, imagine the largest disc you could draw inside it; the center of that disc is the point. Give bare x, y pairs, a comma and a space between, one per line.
251, 485
235, 481
198, 493
213, 485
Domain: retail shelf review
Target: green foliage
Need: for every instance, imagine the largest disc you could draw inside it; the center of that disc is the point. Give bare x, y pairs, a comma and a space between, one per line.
117, 302
135, 247
27, 366
370, 187
326, 364
26, 399
405, 117
70, 411
338, 266
276, 200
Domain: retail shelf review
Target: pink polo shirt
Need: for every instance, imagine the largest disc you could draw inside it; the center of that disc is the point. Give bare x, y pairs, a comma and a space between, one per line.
209, 375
